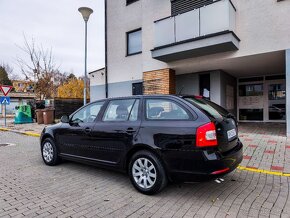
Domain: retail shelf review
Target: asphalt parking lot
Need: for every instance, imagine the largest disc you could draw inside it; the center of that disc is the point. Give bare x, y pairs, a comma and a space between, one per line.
30, 188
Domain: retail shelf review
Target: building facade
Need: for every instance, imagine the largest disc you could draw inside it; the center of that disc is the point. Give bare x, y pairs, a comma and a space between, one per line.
23, 86
234, 52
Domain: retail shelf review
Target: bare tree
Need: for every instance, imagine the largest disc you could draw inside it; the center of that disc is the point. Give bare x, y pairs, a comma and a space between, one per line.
39, 68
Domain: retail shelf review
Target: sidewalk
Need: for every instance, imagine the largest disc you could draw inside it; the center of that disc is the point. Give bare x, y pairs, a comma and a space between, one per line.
266, 147
33, 129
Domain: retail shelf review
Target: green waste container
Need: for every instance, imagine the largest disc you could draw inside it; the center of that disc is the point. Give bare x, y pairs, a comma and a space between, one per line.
23, 114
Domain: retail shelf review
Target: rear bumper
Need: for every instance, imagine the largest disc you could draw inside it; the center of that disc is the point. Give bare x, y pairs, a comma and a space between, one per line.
206, 164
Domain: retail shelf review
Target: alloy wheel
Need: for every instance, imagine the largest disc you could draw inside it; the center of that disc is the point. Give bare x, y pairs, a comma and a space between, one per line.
47, 152
144, 173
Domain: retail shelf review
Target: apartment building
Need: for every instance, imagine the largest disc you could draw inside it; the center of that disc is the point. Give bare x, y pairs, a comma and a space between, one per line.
235, 52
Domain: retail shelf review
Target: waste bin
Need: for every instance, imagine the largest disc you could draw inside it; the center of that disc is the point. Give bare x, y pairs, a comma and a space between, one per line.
39, 116
48, 115
23, 114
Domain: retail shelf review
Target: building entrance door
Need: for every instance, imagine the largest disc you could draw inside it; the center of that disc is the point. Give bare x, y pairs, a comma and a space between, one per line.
276, 98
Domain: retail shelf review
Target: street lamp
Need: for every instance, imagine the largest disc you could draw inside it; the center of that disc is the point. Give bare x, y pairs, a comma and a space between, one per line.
86, 12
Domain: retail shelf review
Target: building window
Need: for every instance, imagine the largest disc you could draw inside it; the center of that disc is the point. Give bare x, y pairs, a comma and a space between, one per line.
134, 42
251, 90
130, 1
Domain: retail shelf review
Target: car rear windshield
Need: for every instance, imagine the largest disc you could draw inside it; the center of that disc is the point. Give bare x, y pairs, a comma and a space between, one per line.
211, 108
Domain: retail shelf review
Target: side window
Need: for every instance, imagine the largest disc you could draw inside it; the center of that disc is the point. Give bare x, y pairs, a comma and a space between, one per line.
119, 110
88, 114
163, 109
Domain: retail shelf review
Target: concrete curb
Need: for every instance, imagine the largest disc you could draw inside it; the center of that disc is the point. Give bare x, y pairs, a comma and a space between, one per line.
33, 134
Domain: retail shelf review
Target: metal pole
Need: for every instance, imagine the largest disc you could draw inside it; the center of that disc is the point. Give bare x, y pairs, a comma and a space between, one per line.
106, 52
5, 115
85, 78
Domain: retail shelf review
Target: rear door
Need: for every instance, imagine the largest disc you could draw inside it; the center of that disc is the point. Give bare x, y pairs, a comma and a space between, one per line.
226, 125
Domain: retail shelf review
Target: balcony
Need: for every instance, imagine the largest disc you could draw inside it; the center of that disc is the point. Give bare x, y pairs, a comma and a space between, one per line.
203, 31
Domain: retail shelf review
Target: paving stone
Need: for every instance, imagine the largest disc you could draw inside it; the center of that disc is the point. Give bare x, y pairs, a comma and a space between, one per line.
30, 188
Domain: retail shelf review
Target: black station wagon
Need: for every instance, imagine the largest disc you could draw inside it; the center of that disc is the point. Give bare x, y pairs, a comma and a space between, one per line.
155, 139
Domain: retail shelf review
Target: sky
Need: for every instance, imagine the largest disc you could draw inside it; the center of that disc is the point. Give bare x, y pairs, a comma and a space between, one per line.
56, 25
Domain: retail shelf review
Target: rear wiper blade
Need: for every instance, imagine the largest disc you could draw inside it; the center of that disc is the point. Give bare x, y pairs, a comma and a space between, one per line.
230, 115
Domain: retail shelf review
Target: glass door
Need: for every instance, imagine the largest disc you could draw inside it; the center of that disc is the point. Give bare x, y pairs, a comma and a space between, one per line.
251, 102
276, 109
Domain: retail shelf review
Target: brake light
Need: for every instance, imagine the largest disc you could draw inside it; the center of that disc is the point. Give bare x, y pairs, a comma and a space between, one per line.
206, 135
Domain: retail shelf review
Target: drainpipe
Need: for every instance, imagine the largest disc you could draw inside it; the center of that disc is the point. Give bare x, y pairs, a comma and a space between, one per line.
106, 53
287, 59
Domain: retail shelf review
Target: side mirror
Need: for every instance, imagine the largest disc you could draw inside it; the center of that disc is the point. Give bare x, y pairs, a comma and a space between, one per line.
64, 119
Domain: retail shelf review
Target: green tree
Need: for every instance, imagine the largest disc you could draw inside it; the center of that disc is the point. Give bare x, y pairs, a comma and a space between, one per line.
4, 80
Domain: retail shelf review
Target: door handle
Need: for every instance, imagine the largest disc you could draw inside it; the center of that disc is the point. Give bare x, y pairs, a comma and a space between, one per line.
119, 131
88, 130
130, 130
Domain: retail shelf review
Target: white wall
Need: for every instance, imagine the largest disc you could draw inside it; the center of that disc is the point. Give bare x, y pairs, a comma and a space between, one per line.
121, 19
97, 77
262, 26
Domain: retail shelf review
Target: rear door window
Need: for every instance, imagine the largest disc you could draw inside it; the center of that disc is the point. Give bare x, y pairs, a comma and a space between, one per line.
211, 108
122, 110
164, 109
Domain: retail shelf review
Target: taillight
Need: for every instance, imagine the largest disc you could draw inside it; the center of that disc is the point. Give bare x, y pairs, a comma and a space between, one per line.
220, 171
206, 135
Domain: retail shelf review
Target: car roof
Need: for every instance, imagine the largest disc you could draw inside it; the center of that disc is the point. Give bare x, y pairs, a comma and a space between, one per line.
148, 96
137, 96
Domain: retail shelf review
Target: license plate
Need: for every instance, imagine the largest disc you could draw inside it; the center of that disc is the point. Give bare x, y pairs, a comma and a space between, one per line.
232, 133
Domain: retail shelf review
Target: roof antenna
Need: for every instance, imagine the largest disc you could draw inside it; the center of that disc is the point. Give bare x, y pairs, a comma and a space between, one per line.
179, 93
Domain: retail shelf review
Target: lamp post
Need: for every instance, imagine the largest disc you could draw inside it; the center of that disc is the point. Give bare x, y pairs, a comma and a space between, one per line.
86, 12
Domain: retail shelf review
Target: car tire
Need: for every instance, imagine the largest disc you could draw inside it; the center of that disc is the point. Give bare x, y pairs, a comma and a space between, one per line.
49, 152
147, 173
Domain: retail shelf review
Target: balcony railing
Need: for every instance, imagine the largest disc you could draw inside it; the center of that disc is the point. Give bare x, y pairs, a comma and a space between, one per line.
218, 17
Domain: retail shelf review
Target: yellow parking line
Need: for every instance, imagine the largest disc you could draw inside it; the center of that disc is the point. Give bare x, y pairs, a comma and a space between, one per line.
4, 129
32, 134
20, 132
264, 171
